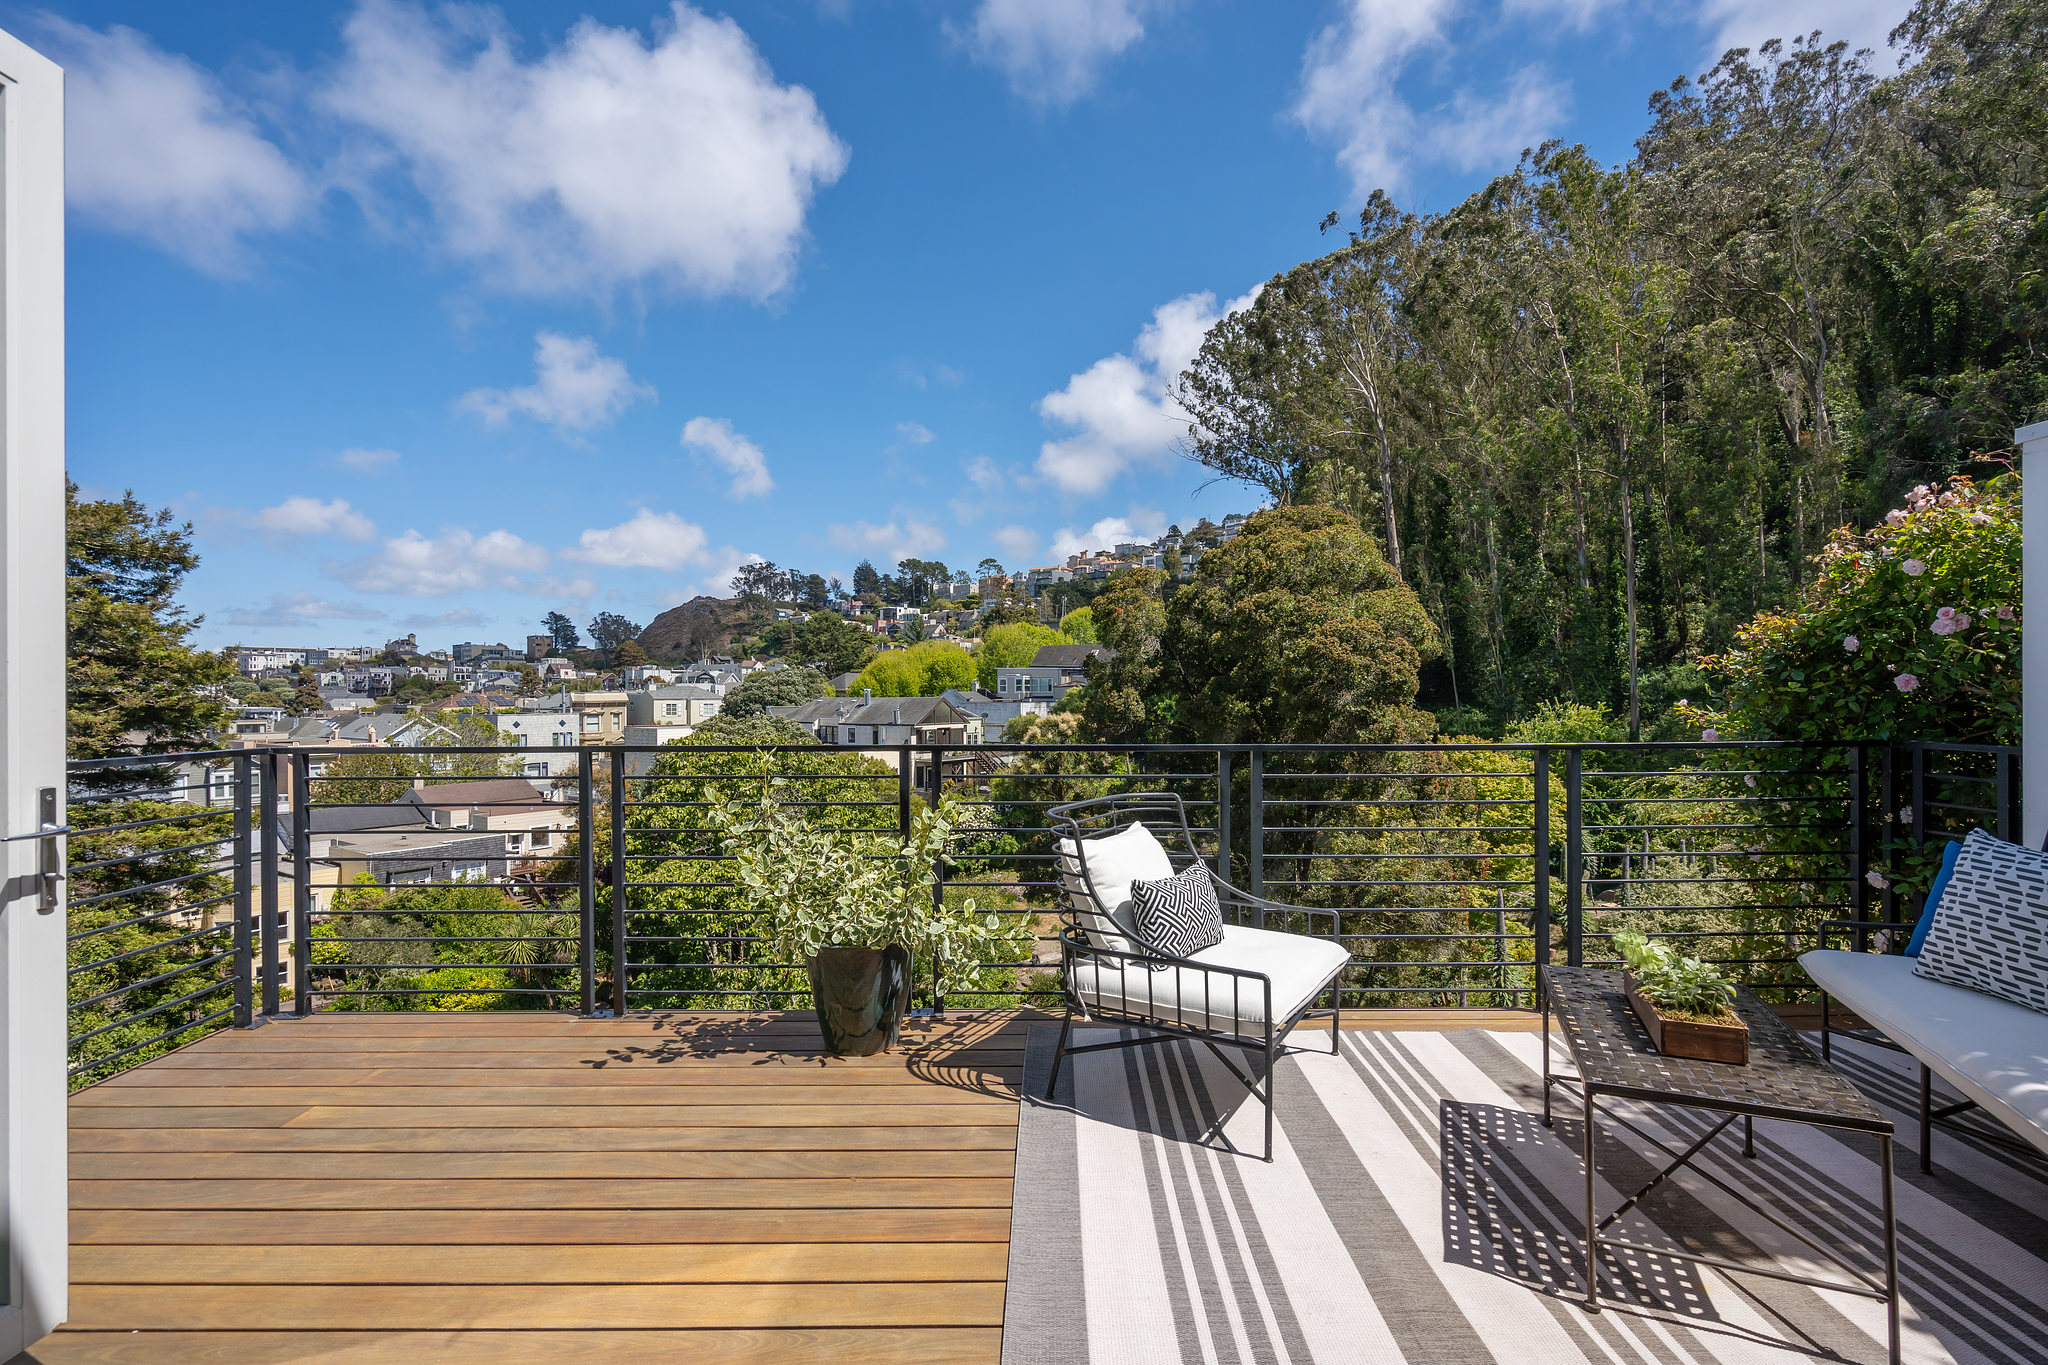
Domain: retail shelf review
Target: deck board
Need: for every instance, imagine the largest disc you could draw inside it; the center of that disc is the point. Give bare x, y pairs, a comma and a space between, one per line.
504, 1189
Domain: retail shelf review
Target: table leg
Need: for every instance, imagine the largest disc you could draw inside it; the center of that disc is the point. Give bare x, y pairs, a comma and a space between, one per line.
1592, 1217
1546, 1063
1749, 1137
1891, 1245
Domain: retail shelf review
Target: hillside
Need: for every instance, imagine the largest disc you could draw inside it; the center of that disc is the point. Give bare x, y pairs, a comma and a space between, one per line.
702, 625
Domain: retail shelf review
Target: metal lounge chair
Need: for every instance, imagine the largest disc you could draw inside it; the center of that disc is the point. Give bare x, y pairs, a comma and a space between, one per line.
1244, 993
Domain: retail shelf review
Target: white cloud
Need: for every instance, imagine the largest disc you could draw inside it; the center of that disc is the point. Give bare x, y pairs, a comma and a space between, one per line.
1348, 95
1018, 543
1120, 408
608, 160
1750, 23
898, 539
460, 617
303, 516
1477, 134
646, 540
454, 561
989, 483
299, 609
368, 461
576, 387
1141, 524
722, 564
1054, 51
917, 433
733, 452
156, 146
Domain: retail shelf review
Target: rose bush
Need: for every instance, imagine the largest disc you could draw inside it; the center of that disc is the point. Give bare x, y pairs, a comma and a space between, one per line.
1910, 630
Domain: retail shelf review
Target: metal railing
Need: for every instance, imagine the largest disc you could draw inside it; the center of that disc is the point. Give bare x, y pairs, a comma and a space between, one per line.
218, 889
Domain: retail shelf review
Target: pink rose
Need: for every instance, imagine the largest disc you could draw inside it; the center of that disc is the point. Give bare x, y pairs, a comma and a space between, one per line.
1943, 627
1710, 735
1851, 643
1895, 518
1876, 879
1905, 682
1914, 568
1945, 614
2005, 612
1963, 622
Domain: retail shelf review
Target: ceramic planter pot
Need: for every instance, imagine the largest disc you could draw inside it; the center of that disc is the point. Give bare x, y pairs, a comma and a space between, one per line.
861, 995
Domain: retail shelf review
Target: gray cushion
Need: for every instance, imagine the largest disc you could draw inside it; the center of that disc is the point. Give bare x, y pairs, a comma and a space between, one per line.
1990, 1050
1990, 933
1298, 965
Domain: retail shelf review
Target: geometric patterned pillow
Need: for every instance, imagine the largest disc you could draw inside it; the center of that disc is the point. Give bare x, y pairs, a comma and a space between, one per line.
1991, 931
1178, 915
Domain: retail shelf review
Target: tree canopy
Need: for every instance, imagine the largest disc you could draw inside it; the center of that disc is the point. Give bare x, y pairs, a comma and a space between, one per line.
134, 685
923, 670
773, 687
1597, 417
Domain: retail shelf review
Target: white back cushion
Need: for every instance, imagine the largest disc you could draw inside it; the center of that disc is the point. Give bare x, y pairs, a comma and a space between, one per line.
1114, 861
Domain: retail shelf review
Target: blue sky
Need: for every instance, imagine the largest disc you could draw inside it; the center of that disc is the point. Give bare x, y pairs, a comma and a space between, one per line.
438, 318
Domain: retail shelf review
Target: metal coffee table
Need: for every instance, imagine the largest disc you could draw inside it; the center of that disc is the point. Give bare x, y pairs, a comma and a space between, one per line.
1784, 1080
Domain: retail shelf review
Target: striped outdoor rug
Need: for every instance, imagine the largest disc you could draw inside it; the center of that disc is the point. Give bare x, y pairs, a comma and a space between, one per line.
1417, 1210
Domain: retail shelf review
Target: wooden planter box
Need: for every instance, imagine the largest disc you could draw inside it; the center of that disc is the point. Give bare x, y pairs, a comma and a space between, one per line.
1684, 1038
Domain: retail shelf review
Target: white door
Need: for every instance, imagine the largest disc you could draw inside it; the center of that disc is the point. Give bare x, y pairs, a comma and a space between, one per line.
32, 994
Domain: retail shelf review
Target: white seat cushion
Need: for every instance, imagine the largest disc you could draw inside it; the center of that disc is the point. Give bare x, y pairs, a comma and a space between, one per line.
1298, 965
1116, 860
1993, 1051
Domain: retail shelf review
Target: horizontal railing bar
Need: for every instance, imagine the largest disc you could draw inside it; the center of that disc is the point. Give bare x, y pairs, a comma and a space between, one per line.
150, 918
98, 963
83, 1068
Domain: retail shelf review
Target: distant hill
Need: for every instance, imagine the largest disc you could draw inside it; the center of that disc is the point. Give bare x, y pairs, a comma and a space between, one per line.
703, 625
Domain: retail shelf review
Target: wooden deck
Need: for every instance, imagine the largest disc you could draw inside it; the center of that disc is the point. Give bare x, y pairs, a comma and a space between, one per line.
500, 1188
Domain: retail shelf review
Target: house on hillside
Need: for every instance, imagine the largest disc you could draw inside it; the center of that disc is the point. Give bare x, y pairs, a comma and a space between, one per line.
883, 724
1052, 673
993, 712
683, 704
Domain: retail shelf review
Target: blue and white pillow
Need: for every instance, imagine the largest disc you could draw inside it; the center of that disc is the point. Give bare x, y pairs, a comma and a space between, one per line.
1990, 933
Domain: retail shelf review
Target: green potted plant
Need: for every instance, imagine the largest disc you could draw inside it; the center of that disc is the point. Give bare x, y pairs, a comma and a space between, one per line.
1685, 1003
859, 909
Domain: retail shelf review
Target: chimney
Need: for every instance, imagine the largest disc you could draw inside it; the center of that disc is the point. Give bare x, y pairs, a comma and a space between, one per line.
897, 716
867, 694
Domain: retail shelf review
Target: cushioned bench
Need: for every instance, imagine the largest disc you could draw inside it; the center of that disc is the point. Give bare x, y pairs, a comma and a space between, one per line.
1994, 1053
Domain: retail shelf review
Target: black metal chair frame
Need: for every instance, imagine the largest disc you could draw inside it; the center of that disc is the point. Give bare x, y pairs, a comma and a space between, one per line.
1165, 814
1930, 1117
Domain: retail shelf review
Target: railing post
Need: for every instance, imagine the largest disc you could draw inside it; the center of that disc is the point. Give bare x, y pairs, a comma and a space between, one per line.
1574, 864
904, 761
1888, 801
302, 896
938, 753
266, 834
586, 878
1859, 854
1539, 863
1257, 811
1223, 814
619, 878
2005, 821
245, 966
